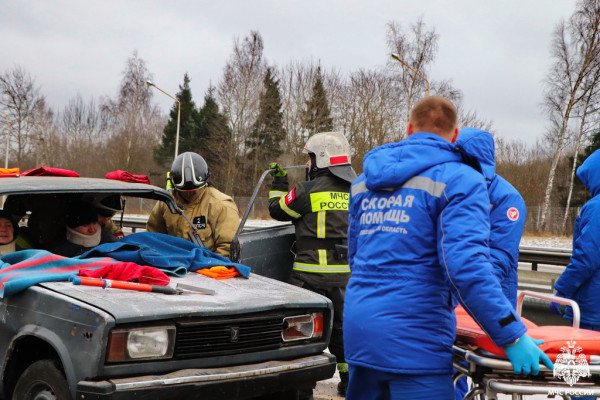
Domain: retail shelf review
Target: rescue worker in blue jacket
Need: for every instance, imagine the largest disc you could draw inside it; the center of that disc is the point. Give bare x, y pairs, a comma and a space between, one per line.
417, 237
507, 218
319, 210
580, 281
507, 211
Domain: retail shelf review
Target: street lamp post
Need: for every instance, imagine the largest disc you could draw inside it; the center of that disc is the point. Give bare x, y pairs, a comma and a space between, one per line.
178, 115
7, 139
397, 58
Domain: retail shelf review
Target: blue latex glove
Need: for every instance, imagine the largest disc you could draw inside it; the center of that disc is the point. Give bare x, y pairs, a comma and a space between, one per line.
555, 307
525, 356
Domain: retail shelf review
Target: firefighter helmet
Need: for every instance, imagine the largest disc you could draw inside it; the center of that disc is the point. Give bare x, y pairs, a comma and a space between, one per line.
331, 150
189, 172
107, 206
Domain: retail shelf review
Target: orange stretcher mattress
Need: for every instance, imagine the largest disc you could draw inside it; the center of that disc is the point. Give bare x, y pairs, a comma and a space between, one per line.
555, 337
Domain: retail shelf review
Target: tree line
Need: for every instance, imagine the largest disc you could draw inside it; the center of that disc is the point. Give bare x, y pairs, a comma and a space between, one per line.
259, 112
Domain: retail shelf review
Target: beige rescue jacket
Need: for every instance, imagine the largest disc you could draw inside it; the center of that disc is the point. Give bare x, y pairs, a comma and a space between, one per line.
214, 214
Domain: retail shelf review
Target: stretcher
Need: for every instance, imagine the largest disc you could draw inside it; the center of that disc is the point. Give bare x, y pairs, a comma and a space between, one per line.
575, 353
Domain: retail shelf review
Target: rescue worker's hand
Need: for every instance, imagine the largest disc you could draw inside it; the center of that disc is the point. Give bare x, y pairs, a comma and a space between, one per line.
525, 356
278, 170
555, 307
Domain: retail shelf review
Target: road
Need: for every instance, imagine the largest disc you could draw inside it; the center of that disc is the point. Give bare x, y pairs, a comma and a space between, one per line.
327, 390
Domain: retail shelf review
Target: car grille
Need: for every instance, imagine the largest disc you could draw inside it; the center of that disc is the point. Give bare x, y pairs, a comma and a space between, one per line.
228, 336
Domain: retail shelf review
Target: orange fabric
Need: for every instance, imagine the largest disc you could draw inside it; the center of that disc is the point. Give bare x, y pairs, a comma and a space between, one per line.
9, 171
219, 272
554, 337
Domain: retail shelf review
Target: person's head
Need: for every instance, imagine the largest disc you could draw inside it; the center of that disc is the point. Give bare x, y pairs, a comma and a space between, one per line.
330, 150
189, 173
83, 218
478, 144
434, 114
9, 227
107, 207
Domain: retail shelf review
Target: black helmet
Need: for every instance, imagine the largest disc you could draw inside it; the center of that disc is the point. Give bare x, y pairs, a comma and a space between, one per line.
189, 172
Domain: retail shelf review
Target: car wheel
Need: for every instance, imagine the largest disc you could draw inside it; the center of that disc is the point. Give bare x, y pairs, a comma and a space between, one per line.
42, 380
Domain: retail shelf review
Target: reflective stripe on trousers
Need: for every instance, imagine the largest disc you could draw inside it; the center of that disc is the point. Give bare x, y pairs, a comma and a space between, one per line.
343, 268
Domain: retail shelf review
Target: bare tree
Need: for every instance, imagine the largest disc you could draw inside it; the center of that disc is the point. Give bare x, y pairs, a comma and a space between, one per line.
48, 147
84, 132
414, 52
576, 49
296, 82
19, 97
238, 93
134, 121
417, 50
470, 118
525, 167
371, 114
589, 102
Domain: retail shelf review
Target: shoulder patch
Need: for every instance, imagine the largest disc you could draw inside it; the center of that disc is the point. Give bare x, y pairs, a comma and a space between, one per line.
512, 214
291, 196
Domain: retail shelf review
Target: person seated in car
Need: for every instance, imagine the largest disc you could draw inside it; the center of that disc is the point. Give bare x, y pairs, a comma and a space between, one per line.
9, 229
82, 231
106, 208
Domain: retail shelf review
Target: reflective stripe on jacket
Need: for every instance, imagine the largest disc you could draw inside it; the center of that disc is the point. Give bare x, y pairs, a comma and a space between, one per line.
319, 210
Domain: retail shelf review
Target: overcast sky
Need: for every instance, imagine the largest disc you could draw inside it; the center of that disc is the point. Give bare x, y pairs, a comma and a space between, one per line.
496, 52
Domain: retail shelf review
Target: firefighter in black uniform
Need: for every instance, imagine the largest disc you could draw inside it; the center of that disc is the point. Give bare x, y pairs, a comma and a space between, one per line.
319, 210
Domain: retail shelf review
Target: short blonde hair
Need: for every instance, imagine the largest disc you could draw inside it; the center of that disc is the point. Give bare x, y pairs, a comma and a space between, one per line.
434, 114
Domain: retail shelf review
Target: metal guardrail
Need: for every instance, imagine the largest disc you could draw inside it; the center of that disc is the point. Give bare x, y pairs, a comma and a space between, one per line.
132, 222
542, 255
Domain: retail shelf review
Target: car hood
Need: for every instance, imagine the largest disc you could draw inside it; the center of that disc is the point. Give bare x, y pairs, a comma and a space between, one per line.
232, 296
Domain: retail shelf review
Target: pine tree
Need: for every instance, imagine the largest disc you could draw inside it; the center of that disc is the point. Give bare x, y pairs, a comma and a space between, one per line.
214, 137
188, 129
267, 133
317, 116
593, 146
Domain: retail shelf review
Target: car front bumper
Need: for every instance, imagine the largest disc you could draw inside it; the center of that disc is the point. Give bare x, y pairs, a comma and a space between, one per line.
238, 382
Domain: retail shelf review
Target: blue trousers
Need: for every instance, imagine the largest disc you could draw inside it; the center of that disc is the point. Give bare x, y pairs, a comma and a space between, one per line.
371, 384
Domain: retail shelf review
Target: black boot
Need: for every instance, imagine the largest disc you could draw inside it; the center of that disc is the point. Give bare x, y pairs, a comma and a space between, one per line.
343, 385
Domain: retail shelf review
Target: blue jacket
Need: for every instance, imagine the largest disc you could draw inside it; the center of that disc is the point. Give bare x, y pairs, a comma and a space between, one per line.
580, 281
507, 211
417, 236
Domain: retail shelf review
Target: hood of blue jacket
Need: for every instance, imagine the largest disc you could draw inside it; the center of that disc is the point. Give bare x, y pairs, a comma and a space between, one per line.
391, 165
589, 173
479, 144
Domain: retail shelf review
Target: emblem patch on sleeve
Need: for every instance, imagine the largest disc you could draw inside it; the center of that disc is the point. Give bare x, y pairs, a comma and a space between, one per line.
199, 222
512, 214
291, 196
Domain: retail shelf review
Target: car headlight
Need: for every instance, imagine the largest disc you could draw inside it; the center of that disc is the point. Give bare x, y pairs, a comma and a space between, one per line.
302, 327
139, 344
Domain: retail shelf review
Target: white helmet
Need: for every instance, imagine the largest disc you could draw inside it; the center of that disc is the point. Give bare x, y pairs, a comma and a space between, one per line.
332, 151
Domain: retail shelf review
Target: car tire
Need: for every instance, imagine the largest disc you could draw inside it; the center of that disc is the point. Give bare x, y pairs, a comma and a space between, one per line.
42, 380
